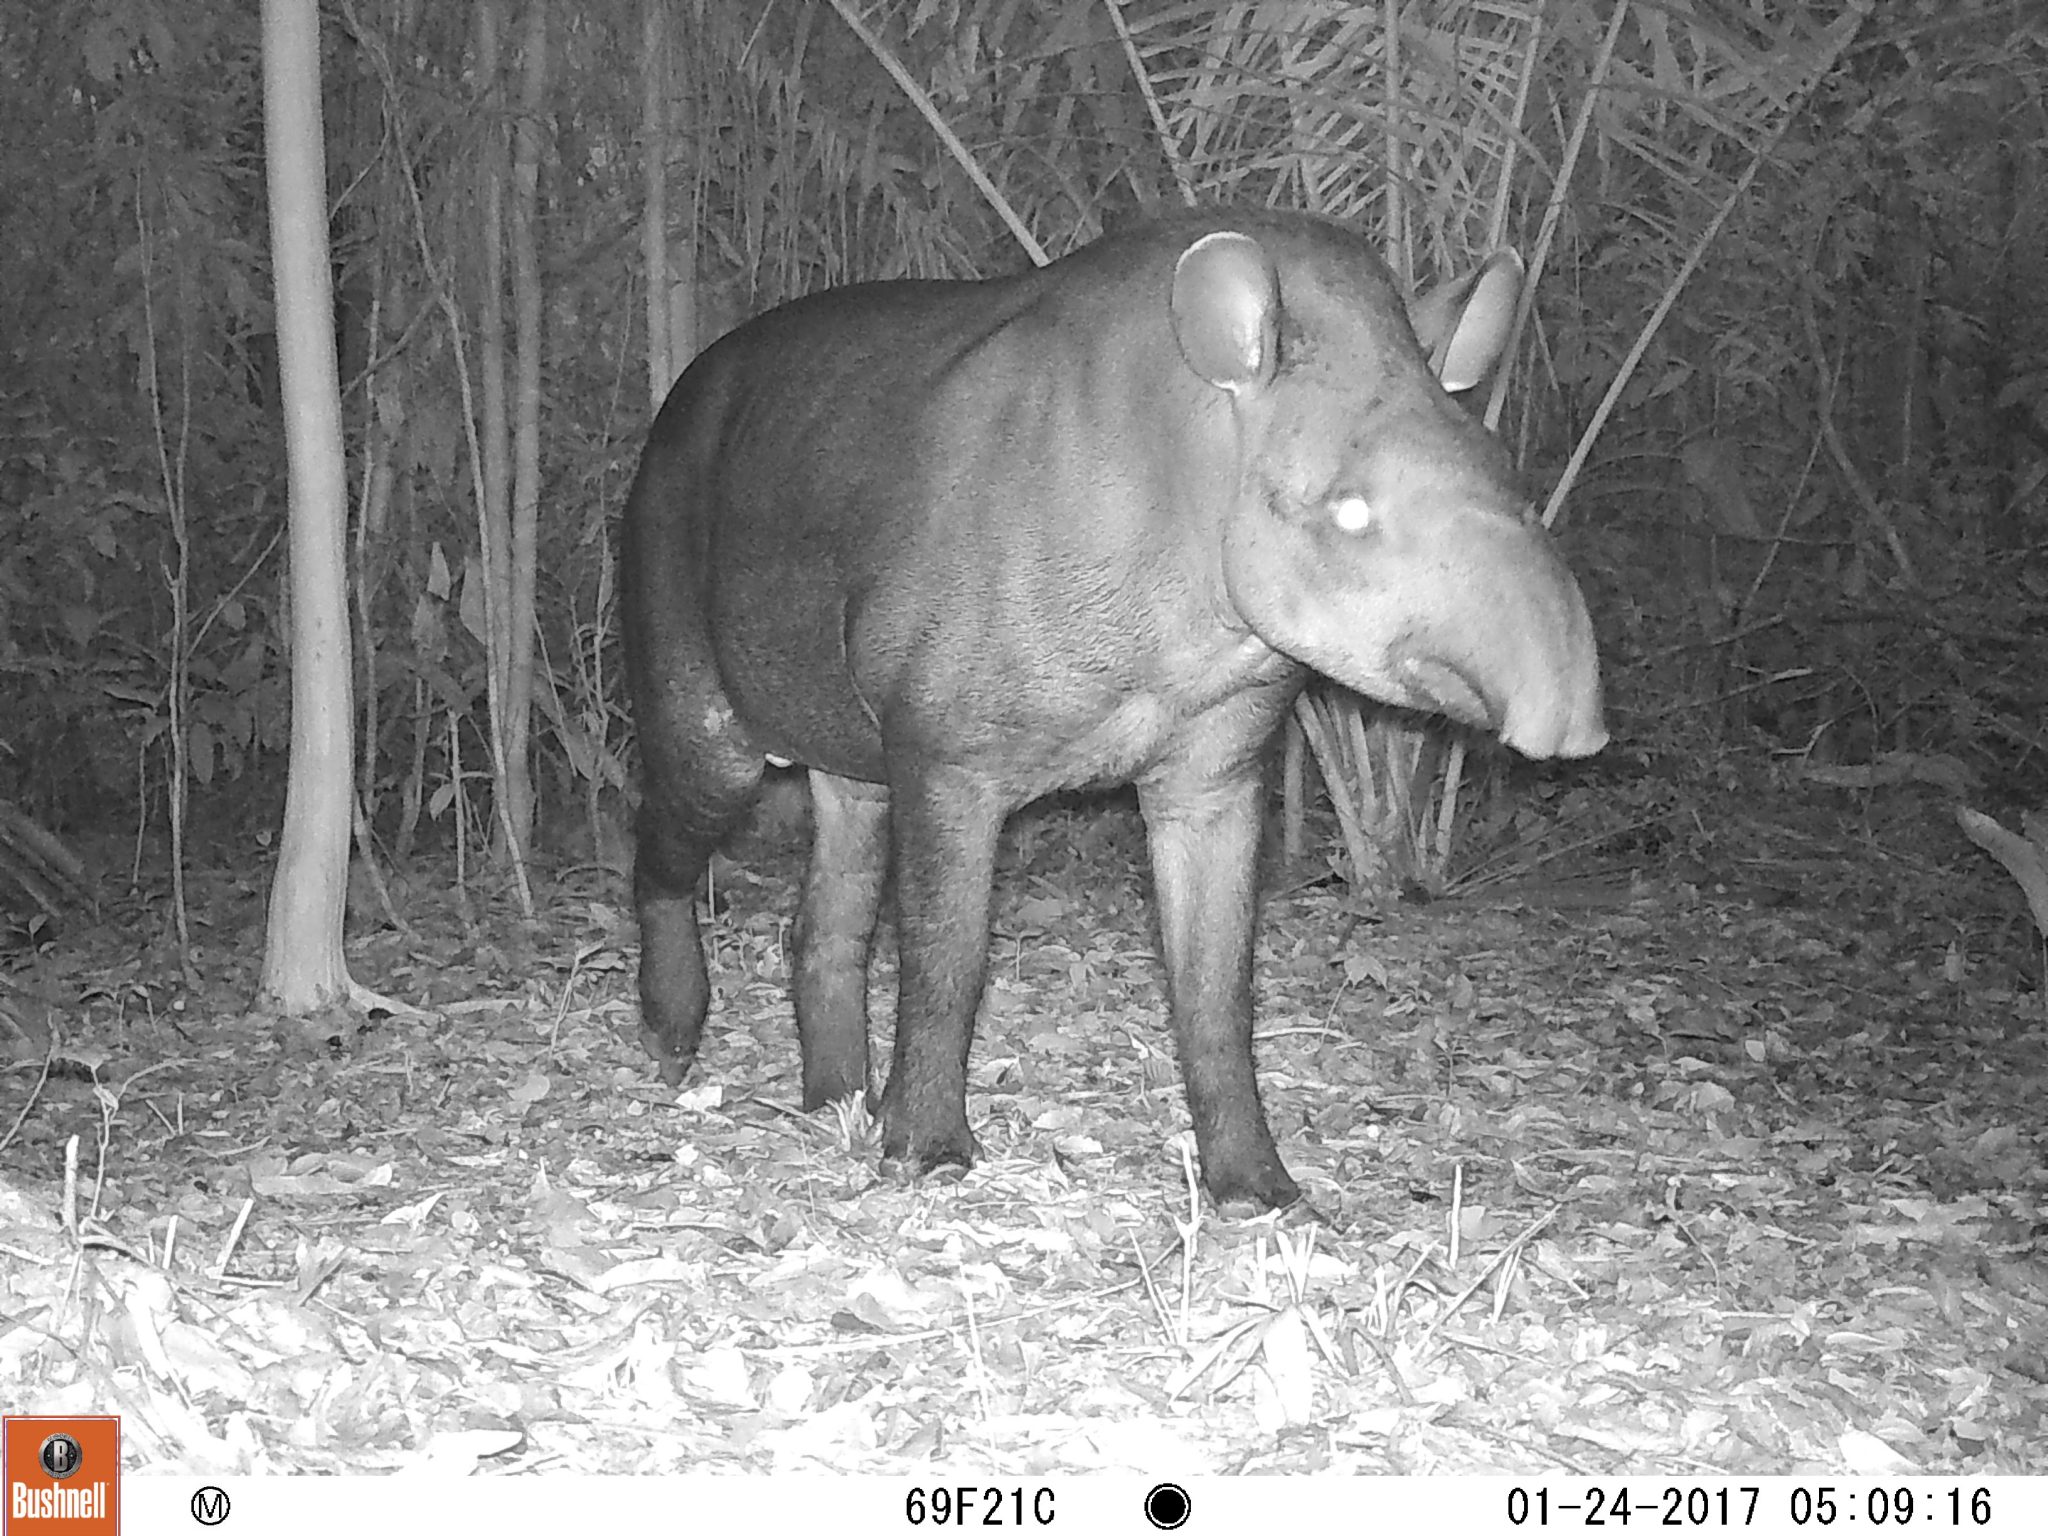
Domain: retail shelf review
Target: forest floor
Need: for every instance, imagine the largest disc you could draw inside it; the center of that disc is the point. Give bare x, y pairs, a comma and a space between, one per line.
1721, 1156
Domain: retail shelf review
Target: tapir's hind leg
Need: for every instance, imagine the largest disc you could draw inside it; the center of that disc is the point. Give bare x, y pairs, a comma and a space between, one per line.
699, 772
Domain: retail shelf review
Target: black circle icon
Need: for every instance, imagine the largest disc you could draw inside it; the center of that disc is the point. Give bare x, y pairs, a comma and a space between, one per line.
61, 1456
1167, 1506
210, 1505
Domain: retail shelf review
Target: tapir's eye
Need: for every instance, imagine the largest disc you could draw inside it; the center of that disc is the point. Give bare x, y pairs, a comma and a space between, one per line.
1351, 514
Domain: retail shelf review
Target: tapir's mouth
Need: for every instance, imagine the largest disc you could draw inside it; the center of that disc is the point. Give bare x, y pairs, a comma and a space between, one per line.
1538, 723
1436, 684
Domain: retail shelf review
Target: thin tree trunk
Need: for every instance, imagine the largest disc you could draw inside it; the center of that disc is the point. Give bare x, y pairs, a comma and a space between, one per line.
494, 517
494, 514
303, 966
654, 215
526, 481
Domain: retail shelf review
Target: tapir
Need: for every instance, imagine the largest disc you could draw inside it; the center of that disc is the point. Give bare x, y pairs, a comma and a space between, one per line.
951, 546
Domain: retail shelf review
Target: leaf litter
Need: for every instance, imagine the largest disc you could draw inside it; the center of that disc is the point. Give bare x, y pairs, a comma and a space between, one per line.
1669, 1179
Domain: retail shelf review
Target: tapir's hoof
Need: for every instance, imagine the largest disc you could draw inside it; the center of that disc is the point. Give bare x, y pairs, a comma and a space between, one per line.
1240, 1194
909, 1170
828, 1085
1294, 1217
672, 1065
944, 1158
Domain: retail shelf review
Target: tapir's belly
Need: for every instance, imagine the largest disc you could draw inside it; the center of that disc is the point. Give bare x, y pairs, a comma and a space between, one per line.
1035, 674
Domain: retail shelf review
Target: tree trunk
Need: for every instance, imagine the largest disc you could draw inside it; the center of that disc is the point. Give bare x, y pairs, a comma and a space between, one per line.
494, 429
654, 215
303, 966
526, 319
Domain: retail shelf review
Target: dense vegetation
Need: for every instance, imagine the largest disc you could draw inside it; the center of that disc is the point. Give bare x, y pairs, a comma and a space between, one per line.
1805, 527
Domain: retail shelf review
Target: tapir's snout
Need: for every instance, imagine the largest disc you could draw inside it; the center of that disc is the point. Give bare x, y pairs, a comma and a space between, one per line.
1568, 723
1500, 638
1539, 655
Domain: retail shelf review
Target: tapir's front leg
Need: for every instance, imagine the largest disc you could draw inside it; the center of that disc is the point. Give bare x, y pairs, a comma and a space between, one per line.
1204, 833
835, 933
944, 823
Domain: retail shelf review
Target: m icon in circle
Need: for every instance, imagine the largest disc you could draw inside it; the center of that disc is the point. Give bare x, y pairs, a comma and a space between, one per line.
210, 1505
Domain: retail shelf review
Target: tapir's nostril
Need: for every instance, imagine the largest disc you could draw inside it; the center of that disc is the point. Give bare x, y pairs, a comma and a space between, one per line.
1562, 719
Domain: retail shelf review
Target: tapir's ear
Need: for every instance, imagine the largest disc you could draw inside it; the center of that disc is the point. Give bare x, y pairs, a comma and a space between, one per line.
1463, 323
1226, 310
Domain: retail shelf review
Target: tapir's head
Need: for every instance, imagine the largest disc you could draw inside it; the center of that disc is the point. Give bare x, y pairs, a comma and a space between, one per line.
1376, 531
